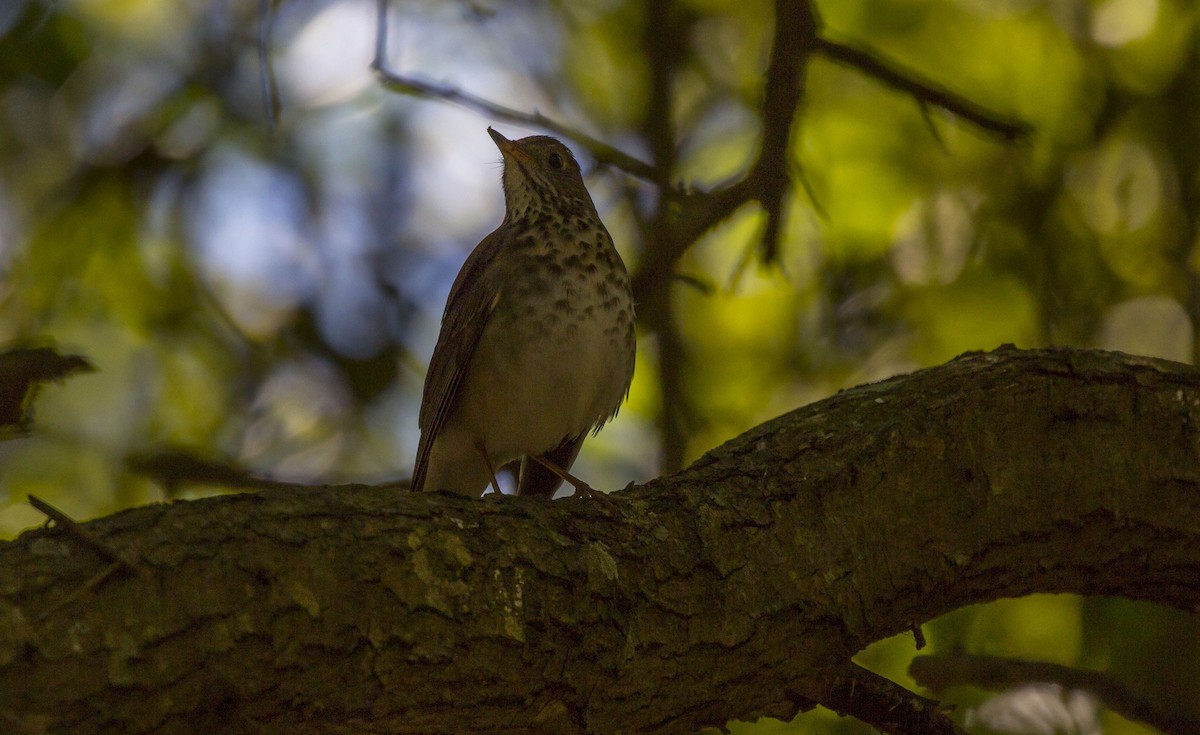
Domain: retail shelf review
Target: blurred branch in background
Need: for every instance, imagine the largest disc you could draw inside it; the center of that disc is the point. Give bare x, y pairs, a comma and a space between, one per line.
666, 27
415, 86
22, 371
601, 151
939, 672
925, 91
176, 469
794, 39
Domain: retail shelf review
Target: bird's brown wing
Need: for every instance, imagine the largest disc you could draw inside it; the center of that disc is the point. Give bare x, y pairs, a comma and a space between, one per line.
467, 310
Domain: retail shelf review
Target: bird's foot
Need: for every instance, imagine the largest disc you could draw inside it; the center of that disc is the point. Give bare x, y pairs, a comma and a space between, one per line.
583, 491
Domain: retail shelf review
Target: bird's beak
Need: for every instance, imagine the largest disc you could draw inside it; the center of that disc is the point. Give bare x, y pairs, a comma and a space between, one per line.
508, 149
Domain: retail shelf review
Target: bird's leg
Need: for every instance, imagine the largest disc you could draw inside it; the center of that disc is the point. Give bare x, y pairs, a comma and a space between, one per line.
491, 470
582, 489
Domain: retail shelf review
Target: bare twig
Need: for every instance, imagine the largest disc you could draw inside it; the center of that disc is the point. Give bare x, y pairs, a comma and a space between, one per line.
940, 671
68, 524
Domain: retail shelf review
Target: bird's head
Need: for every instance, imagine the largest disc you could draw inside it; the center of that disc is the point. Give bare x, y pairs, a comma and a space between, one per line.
541, 175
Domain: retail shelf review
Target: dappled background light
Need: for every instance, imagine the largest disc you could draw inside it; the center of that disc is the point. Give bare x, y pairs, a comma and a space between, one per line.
264, 286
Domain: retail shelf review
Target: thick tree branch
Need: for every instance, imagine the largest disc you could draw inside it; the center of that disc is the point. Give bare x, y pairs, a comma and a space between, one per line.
737, 588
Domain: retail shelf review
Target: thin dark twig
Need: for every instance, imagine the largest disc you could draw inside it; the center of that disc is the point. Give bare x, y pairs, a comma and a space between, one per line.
940, 671
601, 151
68, 524
905, 80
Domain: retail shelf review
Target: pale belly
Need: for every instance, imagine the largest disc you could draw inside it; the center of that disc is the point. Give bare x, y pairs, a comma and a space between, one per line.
544, 384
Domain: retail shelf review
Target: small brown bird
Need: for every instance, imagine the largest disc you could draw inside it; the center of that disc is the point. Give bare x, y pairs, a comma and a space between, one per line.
537, 342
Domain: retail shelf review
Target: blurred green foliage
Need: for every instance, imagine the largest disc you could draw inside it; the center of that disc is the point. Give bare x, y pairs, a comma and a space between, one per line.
268, 291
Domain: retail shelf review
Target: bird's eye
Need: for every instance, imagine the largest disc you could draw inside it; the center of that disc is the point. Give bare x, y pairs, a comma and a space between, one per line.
555, 160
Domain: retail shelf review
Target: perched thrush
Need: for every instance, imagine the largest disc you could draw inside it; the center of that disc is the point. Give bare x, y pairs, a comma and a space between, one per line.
537, 342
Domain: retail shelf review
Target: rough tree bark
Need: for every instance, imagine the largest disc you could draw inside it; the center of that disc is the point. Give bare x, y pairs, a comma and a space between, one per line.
737, 588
